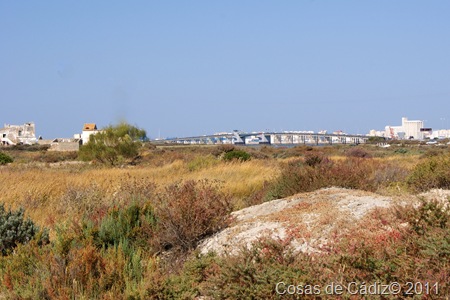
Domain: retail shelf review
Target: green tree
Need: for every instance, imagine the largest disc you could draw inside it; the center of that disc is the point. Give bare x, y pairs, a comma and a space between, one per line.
114, 144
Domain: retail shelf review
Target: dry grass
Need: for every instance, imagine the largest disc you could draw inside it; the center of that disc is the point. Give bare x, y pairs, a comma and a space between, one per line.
41, 190
54, 190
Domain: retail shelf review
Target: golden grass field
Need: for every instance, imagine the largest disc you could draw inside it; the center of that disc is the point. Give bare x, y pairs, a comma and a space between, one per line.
39, 188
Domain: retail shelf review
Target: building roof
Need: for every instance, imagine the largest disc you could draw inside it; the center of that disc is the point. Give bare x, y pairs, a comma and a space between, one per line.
89, 127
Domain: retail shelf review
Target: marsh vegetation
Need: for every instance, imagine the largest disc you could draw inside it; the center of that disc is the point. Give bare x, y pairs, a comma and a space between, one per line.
130, 230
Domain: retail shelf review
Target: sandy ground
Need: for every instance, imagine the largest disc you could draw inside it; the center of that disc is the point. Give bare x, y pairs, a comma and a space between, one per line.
307, 219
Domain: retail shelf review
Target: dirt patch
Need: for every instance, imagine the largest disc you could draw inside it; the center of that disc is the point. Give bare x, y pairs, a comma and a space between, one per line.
307, 220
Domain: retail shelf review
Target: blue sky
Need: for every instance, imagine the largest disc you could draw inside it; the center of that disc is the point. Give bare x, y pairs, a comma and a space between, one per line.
197, 67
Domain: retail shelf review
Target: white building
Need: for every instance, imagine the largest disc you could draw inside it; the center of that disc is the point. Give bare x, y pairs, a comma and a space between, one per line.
379, 133
410, 129
88, 130
18, 134
440, 134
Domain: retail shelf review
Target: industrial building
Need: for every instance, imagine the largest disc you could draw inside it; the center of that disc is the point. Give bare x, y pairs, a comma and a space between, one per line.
410, 129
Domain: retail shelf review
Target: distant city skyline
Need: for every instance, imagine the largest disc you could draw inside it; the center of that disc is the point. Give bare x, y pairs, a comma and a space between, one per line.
192, 68
397, 127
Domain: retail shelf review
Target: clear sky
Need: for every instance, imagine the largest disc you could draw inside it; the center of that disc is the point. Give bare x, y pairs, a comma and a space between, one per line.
198, 67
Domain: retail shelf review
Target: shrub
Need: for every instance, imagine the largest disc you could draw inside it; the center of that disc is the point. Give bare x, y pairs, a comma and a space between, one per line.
358, 152
240, 155
5, 158
255, 272
432, 152
224, 148
188, 284
293, 179
301, 176
416, 252
85, 267
14, 229
401, 151
429, 214
434, 172
190, 211
23, 274
133, 224
314, 159
317, 172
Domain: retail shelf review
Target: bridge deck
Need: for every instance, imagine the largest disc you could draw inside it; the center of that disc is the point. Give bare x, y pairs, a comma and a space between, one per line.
275, 138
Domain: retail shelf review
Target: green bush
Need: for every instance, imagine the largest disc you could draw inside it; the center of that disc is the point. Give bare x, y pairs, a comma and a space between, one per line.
189, 282
5, 158
430, 214
126, 225
240, 155
401, 151
434, 172
14, 230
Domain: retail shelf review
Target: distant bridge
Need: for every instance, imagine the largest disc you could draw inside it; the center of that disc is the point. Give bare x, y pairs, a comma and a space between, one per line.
268, 138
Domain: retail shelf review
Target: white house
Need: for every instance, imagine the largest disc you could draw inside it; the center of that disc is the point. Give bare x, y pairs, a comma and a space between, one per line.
88, 130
